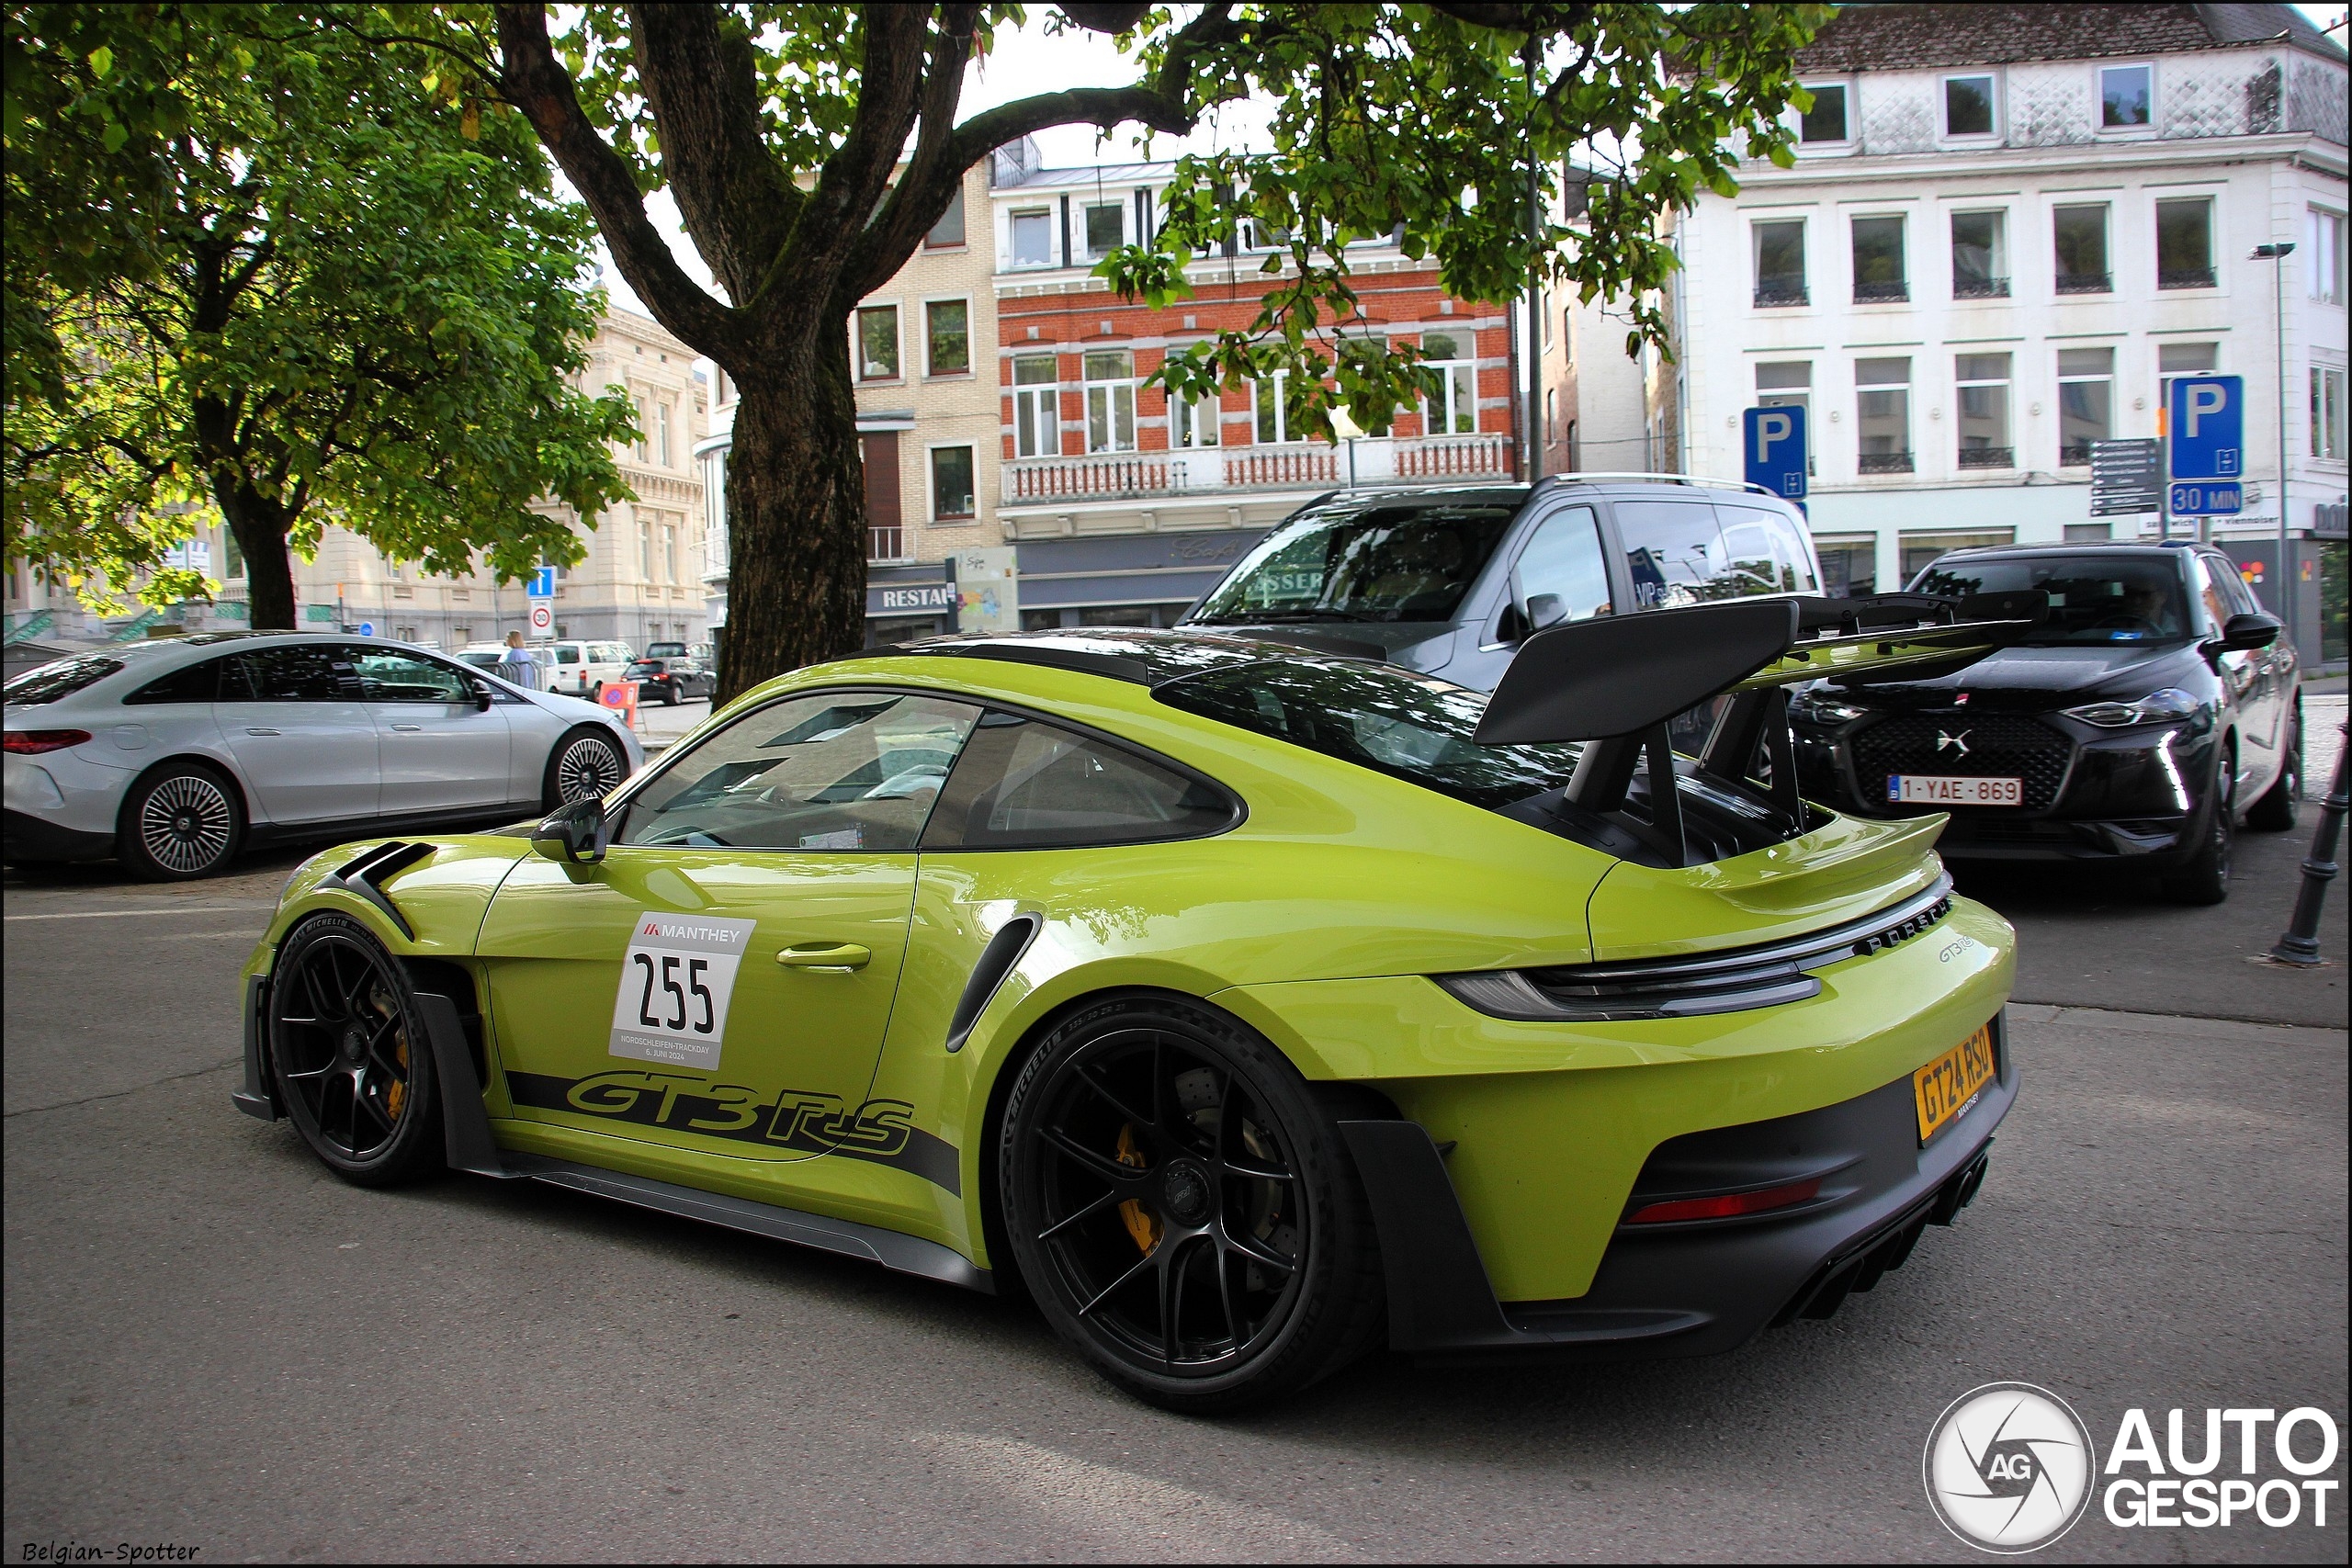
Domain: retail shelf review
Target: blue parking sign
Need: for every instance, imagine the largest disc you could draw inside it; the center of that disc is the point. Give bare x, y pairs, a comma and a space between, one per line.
1772, 440
2207, 424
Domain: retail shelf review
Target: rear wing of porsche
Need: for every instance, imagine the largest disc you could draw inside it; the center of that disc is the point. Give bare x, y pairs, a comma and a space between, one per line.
1616, 682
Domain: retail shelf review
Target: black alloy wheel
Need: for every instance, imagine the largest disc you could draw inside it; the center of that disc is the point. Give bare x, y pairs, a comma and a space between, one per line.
1183, 1210
2275, 811
181, 822
585, 765
2204, 878
348, 1049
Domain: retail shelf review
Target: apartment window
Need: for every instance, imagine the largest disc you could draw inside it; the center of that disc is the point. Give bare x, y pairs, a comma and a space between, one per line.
1883, 415
1110, 401
1968, 105
877, 342
661, 433
2183, 359
232, 554
1568, 336
670, 553
951, 484
2185, 242
2323, 261
1032, 238
1551, 413
1454, 411
1037, 408
2126, 96
1825, 122
1270, 397
1191, 422
2079, 235
949, 325
1980, 256
1265, 236
1981, 382
949, 230
2328, 412
1779, 262
1878, 274
2086, 403
1106, 229
644, 551
644, 424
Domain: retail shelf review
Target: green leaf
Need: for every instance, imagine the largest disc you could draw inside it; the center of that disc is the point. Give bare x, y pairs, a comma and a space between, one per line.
101, 61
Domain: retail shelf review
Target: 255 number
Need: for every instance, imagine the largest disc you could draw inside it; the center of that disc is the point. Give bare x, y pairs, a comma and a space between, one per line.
668, 977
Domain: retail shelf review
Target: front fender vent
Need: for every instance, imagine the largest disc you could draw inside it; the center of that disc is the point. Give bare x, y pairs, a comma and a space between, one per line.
1694, 985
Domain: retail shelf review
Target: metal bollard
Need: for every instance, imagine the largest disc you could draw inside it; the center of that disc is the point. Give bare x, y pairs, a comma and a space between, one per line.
2299, 943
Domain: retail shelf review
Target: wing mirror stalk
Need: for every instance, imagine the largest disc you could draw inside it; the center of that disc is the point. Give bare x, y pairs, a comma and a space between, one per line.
578, 834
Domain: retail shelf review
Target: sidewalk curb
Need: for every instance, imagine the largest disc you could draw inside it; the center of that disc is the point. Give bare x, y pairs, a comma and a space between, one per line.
2178, 1026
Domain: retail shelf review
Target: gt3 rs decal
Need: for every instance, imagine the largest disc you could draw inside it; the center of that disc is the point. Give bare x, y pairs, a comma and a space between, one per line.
879, 1130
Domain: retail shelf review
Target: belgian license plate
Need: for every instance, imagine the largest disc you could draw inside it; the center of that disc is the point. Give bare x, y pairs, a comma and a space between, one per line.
1932, 790
1950, 1084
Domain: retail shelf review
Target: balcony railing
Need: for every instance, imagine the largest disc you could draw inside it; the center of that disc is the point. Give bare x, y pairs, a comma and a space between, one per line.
2086, 282
2186, 277
1775, 291
1881, 293
1980, 287
1886, 462
1123, 476
2074, 455
1988, 456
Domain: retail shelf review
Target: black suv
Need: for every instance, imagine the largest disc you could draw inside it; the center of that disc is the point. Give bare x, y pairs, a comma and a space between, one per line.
669, 673
2152, 706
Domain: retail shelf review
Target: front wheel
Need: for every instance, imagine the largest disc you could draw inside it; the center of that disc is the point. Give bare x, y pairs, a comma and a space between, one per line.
180, 822
1183, 1210
2205, 879
348, 1048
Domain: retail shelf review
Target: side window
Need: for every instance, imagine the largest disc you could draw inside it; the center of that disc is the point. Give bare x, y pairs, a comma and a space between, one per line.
1766, 545
833, 770
388, 677
1563, 562
567, 653
2234, 591
1023, 783
197, 683
296, 672
2210, 592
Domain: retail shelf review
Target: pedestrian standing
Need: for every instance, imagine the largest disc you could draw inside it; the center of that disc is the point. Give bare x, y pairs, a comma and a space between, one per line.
517, 665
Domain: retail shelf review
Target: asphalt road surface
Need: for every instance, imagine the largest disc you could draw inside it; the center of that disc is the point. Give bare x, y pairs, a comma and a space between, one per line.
212, 1343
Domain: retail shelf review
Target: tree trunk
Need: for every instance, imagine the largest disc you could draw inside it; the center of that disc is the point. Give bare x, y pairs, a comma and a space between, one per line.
260, 525
795, 516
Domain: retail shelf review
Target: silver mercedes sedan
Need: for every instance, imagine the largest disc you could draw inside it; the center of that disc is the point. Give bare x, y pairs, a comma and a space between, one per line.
172, 755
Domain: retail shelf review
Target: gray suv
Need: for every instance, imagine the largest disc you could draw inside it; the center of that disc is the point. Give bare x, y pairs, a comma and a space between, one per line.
1450, 581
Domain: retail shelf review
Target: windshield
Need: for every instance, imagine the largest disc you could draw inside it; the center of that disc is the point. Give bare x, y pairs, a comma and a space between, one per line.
2093, 599
1415, 728
61, 678
1390, 562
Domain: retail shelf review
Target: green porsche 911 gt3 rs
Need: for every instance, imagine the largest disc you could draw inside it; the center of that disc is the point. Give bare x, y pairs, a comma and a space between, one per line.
1247, 1004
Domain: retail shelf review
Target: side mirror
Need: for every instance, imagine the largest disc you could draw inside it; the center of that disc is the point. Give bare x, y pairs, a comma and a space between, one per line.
481, 697
577, 834
1546, 610
2245, 632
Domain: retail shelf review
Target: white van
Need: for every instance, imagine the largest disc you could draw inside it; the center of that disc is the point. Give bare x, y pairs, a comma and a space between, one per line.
581, 668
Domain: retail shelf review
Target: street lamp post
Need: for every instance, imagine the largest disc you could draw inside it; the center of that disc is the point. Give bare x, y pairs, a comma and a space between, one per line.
2277, 256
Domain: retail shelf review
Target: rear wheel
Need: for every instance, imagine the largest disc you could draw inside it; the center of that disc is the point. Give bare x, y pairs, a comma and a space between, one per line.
2275, 812
181, 822
348, 1049
2205, 879
585, 765
1183, 1211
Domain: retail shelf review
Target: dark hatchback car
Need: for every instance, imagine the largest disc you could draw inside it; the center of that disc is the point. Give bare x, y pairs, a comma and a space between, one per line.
1451, 581
2153, 706
671, 676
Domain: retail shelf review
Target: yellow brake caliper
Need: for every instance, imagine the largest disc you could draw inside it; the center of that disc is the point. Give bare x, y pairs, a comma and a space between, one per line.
1142, 1225
397, 1095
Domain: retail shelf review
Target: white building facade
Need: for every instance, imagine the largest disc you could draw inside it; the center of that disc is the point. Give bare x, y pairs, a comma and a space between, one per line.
2005, 228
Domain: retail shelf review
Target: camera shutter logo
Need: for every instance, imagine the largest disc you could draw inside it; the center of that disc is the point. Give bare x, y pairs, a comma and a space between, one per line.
2010, 1467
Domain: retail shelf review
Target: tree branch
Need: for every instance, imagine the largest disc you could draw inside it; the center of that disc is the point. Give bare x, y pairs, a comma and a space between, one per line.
932, 176
536, 82
850, 185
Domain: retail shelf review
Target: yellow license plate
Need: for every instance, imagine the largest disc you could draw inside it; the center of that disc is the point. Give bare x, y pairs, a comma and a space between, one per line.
1945, 1086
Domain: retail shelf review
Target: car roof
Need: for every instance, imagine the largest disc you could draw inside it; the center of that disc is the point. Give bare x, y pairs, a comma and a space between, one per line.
2086, 547
1141, 655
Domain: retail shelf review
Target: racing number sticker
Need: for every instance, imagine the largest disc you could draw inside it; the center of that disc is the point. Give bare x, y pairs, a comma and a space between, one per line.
674, 984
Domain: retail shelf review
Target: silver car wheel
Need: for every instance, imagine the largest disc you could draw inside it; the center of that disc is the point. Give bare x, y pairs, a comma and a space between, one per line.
589, 768
186, 823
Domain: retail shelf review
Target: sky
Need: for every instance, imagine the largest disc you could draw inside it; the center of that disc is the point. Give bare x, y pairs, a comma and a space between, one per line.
1025, 57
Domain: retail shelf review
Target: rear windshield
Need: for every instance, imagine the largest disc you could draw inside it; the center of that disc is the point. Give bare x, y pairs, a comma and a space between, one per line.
1409, 727
61, 678
1390, 562
2093, 599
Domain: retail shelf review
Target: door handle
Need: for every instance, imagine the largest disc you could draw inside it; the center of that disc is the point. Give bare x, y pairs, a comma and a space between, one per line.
408, 726
825, 957
257, 730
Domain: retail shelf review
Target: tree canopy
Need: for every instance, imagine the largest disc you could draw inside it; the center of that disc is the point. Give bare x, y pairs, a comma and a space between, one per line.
260, 266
